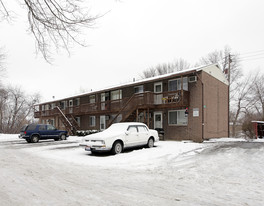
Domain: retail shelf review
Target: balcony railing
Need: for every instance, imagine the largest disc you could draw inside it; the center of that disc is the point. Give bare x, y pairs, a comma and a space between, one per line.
146, 99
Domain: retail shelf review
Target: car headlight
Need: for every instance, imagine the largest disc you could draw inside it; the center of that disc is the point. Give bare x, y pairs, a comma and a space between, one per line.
99, 141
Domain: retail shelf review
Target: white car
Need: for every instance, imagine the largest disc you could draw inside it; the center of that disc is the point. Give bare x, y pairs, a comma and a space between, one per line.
120, 136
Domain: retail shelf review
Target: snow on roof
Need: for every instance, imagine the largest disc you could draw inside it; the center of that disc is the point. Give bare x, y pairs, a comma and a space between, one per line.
191, 70
261, 122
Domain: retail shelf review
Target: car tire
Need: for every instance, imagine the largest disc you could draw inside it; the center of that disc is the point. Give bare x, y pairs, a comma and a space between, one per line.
34, 139
63, 137
150, 143
117, 148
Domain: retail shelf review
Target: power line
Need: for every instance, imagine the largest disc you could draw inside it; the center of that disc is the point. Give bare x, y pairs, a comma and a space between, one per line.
253, 55
249, 59
252, 52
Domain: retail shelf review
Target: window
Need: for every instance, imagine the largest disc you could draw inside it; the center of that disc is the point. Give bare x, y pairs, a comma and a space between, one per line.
63, 104
77, 101
47, 107
42, 127
37, 108
117, 94
50, 127
92, 98
51, 121
70, 103
78, 120
185, 83
177, 117
158, 88
92, 121
139, 89
175, 84
142, 129
132, 129
43, 107
118, 119
31, 127
53, 105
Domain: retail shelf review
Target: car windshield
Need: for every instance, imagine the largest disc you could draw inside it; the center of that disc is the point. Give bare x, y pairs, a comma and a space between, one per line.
117, 128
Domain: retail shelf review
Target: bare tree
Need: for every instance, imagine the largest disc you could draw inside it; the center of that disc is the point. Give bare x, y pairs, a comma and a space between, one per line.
3, 100
149, 72
54, 23
222, 58
16, 108
165, 68
241, 101
257, 96
2, 67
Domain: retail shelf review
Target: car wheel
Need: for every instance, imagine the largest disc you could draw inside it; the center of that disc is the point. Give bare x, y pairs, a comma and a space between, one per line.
117, 148
34, 138
150, 143
63, 137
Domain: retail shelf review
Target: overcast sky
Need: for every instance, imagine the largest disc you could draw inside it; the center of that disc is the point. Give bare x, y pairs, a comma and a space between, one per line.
131, 37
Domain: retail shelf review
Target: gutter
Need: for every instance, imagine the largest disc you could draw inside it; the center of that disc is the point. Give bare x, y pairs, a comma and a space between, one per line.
202, 104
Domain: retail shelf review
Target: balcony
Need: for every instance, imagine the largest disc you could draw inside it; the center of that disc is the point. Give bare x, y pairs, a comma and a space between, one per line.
140, 100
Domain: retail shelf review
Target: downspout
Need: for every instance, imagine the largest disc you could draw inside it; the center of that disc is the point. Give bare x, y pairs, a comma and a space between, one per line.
202, 105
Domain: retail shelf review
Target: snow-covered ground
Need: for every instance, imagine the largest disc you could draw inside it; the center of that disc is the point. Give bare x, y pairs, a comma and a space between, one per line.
224, 171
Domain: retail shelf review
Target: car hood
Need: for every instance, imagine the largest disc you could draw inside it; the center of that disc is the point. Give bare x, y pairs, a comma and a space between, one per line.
103, 135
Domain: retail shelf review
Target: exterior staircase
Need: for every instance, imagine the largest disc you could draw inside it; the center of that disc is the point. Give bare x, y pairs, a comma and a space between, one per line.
131, 110
69, 122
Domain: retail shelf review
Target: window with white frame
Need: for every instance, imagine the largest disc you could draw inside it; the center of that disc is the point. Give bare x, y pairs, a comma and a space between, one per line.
77, 101
92, 98
139, 89
37, 108
47, 107
117, 94
53, 105
70, 103
92, 121
63, 104
175, 84
177, 117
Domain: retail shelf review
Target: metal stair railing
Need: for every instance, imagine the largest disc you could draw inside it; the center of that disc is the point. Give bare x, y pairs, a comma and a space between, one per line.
71, 126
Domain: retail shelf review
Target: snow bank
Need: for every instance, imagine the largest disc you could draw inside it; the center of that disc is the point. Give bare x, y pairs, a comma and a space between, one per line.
8, 137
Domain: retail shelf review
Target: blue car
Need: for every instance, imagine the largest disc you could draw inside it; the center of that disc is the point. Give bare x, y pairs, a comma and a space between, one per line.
32, 133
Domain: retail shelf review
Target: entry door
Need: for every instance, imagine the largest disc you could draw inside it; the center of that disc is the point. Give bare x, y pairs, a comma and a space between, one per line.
102, 122
158, 121
158, 93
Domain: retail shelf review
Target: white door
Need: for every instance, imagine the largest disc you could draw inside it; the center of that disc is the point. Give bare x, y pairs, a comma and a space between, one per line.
102, 122
143, 134
132, 138
158, 93
158, 121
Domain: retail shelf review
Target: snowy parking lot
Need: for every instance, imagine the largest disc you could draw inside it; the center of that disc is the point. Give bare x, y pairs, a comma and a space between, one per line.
216, 172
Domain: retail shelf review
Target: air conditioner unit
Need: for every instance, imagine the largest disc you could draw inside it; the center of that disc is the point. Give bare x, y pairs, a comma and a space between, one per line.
193, 79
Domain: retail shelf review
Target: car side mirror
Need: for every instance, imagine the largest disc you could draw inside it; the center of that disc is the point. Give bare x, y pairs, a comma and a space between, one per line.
127, 132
